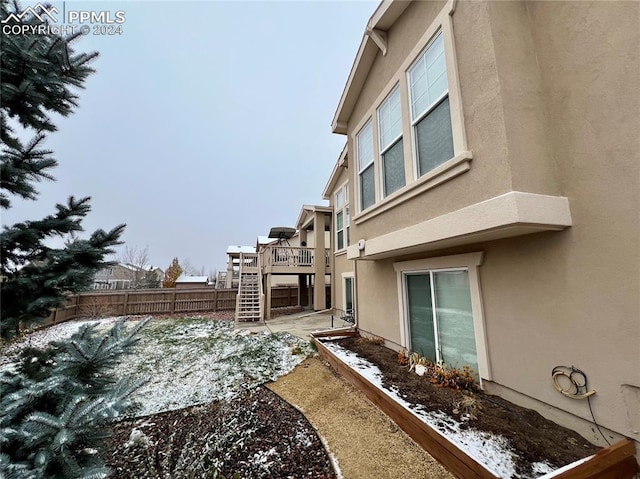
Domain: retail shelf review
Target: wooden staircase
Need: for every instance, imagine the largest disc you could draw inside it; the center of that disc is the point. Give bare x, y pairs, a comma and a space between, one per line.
249, 300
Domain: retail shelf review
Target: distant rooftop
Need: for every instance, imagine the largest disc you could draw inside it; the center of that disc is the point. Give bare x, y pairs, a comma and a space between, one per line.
192, 279
241, 249
262, 240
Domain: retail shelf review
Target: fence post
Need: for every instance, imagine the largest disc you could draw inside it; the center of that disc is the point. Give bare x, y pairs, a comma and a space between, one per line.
76, 306
215, 300
173, 301
125, 305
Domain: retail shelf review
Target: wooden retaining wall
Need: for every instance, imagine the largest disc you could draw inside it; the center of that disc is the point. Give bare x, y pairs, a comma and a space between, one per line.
614, 462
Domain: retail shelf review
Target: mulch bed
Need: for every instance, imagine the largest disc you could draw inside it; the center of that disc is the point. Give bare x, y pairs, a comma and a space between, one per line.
533, 437
256, 435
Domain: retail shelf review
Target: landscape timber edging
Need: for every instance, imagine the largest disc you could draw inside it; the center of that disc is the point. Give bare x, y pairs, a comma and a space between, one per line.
613, 462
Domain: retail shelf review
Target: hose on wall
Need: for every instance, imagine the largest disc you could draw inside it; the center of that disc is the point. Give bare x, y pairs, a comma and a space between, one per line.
578, 388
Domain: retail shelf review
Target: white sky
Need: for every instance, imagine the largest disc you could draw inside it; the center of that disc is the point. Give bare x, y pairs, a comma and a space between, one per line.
206, 123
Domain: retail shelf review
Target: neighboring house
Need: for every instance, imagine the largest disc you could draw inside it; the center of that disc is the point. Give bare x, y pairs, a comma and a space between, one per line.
338, 193
489, 197
302, 258
192, 282
288, 256
231, 278
126, 276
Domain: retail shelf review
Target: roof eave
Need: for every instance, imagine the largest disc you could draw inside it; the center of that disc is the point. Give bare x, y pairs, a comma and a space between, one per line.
382, 19
302, 221
335, 174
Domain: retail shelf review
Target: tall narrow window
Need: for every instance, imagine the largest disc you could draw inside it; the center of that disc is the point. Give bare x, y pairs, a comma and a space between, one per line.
430, 112
391, 150
366, 173
348, 294
342, 217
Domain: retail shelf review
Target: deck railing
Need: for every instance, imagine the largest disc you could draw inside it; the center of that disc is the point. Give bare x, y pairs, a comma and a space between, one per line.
248, 262
292, 256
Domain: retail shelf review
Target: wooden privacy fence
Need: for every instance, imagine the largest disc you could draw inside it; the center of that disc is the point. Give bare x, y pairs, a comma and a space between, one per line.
282, 296
159, 301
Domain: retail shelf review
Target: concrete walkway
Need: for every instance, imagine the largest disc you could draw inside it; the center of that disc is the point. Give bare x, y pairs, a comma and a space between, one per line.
299, 324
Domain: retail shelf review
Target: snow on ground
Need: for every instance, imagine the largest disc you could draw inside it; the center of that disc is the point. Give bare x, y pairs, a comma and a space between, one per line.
190, 361
490, 450
197, 361
40, 338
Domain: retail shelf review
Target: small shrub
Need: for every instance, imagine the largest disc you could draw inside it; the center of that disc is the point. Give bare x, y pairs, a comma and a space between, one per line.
439, 375
468, 406
373, 339
454, 378
403, 357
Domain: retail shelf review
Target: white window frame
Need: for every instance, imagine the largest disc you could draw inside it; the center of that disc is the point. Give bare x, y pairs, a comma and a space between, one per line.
350, 275
384, 148
370, 163
430, 107
346, 221
470, 262
461, 162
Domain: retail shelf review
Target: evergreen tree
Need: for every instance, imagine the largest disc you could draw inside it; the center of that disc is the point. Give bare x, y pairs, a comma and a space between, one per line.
54, 406
172, 273
150, 279
40, 73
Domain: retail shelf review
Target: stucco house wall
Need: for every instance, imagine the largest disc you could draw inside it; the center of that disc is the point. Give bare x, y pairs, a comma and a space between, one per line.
549, 98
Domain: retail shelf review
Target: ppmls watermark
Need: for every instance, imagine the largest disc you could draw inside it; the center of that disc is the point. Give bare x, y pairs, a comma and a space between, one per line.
45, 19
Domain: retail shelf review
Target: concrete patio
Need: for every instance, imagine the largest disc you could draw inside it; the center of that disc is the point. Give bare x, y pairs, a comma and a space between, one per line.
299, 324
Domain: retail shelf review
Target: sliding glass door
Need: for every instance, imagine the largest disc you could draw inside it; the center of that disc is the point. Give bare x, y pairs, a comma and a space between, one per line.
439, 316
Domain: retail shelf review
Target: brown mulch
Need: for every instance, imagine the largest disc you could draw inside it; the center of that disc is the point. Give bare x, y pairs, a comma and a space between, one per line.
256, 435
533, 437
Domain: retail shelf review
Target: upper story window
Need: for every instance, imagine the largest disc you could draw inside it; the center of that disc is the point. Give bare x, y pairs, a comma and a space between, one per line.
391, 150
417, 120
430, 110
342, 217
366, 174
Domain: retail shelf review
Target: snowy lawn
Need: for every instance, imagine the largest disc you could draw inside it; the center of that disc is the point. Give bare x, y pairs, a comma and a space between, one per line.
190, 360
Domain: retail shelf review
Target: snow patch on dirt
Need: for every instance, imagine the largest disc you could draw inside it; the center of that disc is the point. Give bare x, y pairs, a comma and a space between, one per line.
492, 451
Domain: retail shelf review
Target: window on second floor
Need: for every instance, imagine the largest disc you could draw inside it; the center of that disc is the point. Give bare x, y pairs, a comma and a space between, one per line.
430, 111
342, 217
391, 150
416, 120
366, 174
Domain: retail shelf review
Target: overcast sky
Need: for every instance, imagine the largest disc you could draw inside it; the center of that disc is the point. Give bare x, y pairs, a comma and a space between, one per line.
206, 124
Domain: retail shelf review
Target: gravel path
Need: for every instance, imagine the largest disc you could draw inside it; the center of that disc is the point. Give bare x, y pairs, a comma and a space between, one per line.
364, 440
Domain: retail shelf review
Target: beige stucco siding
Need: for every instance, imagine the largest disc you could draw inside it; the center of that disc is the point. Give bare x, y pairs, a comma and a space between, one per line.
377, 295
531, 159
551, 100
341, 265
490, 173
401, 38
543, 311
